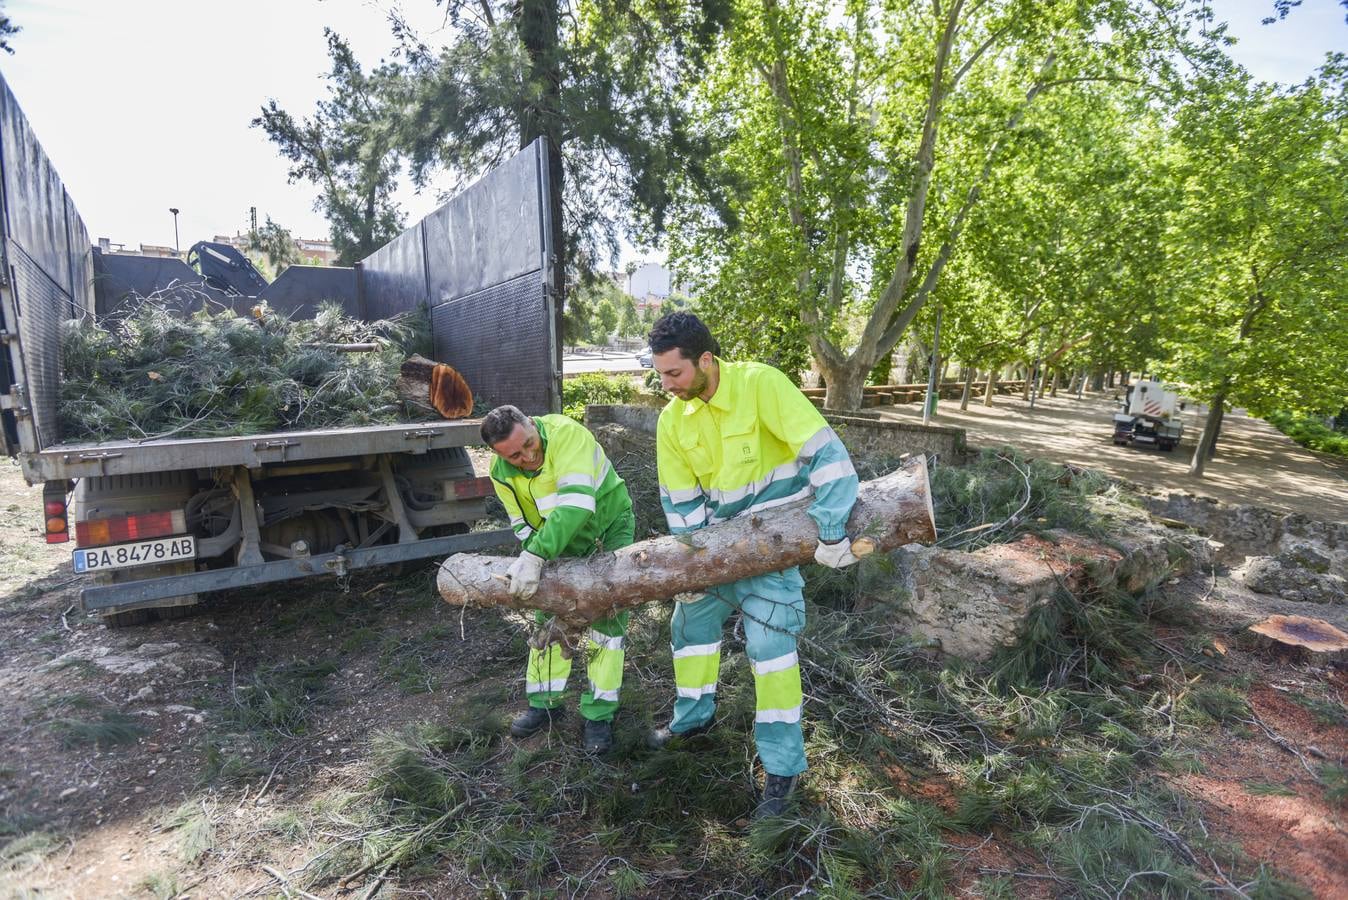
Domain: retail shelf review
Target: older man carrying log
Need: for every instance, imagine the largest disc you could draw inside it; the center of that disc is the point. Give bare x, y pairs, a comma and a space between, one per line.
564, 499
738, 439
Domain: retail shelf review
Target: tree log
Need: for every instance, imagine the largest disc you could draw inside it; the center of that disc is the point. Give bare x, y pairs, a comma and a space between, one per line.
890, 512
434, 387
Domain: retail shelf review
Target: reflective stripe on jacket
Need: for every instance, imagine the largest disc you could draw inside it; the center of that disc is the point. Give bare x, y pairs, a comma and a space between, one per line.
759, 443
566, 506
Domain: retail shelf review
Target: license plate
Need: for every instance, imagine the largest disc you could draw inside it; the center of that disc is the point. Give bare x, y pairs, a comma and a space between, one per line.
141, 553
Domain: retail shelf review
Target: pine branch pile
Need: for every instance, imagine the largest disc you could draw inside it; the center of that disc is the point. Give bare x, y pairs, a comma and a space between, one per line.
155, 372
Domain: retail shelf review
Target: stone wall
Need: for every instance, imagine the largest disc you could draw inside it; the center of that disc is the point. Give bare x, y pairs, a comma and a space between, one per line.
1254, 531
884, 437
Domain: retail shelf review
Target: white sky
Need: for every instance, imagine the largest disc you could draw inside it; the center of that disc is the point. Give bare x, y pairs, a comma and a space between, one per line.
144, 105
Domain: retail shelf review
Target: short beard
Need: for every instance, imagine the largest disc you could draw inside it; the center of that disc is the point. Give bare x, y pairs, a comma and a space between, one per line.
700, 382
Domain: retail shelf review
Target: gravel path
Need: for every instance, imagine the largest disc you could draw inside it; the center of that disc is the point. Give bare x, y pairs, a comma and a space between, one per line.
1255, 463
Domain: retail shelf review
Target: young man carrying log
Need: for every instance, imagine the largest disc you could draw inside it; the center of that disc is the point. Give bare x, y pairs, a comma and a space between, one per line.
738, 439
564, 499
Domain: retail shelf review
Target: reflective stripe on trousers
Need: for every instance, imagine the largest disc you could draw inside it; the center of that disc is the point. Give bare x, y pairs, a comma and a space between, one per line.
602, 650
774, 613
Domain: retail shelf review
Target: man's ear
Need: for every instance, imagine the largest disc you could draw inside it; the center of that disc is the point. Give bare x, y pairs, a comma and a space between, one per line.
705, 360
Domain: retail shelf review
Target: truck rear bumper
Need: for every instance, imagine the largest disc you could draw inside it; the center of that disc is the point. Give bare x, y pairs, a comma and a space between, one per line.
134, 593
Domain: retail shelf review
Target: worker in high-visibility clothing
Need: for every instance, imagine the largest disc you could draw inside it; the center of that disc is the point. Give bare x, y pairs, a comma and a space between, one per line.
739, 438
564, 499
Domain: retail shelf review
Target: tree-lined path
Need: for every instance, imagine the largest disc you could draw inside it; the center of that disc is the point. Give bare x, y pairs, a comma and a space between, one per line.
1255, 464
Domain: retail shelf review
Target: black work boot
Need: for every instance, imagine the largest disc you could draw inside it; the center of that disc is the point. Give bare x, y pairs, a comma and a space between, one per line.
597, 737
533, 720
660, 737
777, 791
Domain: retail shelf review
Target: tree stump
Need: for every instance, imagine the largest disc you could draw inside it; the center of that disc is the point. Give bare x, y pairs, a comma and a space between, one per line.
1302, 637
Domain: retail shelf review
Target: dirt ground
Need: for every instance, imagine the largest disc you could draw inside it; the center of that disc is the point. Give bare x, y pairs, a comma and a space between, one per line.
80, 820
1255, 464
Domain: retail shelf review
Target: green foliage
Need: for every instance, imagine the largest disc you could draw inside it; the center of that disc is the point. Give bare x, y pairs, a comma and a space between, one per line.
274, 245
161, 885
1327, 711
1334, 780
110, 729
26, 851
1310, 431
279, 697
150, 371
1254, 288
595, 389
847, 203
1124, 855
1209, 704
195, 830
1002, 489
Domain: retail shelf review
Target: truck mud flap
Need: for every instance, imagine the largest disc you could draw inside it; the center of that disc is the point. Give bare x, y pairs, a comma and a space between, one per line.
115, 596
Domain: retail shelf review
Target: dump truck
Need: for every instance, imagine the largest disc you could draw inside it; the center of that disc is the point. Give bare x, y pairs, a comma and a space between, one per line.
1149, 416
158, 523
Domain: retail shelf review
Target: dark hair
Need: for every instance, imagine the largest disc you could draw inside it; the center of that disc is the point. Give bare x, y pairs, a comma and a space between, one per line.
684, 331
500, 423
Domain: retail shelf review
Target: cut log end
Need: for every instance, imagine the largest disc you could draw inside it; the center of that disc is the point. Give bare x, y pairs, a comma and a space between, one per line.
430, 386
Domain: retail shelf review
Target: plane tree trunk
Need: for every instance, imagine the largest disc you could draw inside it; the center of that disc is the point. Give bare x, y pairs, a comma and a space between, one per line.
890, 512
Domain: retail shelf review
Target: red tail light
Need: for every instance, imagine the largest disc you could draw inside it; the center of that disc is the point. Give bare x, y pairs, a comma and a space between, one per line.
54, 511
135, 527
470, 488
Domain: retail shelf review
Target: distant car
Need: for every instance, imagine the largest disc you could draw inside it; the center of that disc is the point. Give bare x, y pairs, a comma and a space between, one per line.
645, 358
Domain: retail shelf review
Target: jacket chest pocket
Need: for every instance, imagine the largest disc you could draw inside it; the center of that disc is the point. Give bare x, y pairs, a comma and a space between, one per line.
741, 455
699, 458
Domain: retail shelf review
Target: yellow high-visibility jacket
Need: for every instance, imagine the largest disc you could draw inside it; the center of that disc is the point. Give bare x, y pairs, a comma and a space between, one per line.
759, 443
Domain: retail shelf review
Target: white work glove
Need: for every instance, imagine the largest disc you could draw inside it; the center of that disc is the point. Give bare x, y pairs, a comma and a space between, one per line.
837, 555
524, 574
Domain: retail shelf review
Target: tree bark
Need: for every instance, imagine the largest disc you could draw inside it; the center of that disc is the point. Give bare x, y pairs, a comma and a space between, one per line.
1207, 442
890, 512
538, 30
992, 386
845, 387
969, 375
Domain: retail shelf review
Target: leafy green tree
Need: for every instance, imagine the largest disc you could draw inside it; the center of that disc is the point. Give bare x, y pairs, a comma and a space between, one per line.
1063, 253
274, 245
604, 320
859, 144
629, 322
594, 309
599, 80
346, 149
1256, 248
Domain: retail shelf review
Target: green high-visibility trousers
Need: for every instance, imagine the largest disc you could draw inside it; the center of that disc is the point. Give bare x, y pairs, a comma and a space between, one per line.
774, 613
547, 671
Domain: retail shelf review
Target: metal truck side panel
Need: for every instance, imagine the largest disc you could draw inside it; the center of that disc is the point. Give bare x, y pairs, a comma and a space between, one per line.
252, 451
